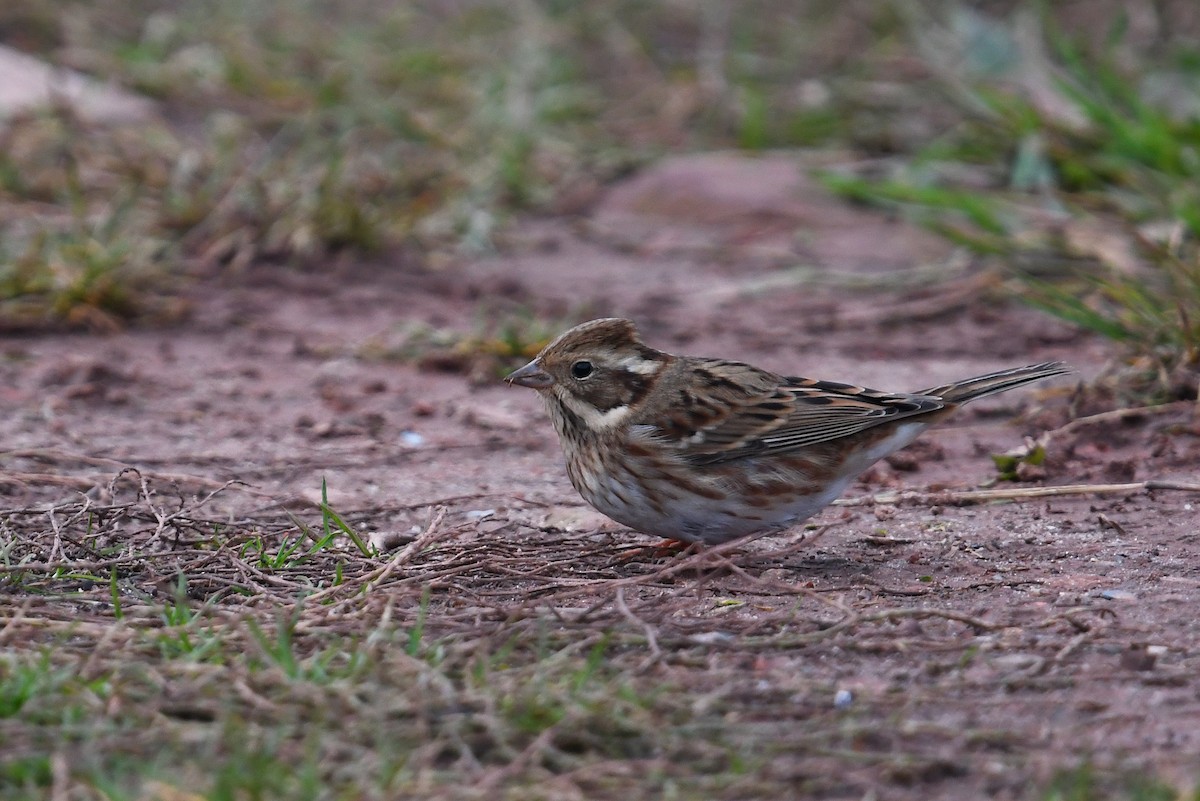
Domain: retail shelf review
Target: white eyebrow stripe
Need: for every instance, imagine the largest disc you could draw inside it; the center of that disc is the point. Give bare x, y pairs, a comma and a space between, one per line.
636, 364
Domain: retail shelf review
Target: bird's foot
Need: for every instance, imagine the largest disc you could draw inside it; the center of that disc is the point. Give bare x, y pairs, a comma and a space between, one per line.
660, 550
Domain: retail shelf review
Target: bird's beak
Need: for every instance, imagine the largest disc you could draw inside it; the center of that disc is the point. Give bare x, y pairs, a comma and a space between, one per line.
531, 375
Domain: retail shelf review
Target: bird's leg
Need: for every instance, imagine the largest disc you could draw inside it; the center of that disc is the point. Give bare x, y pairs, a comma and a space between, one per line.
659, 550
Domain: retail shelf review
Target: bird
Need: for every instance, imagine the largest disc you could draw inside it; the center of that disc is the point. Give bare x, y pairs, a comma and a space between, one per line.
706, 451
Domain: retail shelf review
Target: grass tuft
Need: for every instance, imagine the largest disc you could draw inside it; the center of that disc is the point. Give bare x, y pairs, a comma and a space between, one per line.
1093, 197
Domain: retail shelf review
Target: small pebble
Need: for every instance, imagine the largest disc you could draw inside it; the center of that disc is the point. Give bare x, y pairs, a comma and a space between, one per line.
384, 541
1138, 657
842, 699
411, 439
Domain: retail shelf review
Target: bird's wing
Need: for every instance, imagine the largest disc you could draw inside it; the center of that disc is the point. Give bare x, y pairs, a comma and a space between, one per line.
730, 411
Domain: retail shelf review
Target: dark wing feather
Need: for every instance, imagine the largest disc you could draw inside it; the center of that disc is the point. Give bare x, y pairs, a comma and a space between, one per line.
733, 411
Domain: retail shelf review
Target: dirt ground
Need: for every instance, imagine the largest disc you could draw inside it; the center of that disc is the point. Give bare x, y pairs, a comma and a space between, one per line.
981, 648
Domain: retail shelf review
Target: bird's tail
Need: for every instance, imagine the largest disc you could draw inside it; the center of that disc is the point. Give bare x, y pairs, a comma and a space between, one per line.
961, 392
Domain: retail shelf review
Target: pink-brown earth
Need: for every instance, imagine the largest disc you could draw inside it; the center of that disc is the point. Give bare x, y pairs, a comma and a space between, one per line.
986, 646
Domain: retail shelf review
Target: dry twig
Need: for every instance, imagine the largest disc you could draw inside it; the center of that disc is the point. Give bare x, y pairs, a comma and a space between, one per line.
964, 497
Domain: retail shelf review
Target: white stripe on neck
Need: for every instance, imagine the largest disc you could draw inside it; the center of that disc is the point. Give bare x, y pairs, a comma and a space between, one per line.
592, 417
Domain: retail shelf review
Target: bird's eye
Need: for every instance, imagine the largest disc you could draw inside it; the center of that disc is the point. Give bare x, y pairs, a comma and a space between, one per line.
582, 369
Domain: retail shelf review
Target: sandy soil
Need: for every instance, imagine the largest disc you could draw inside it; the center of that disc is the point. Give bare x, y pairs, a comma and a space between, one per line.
1092, 643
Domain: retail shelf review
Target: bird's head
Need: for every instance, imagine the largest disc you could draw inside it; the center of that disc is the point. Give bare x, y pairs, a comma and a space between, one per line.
598, 370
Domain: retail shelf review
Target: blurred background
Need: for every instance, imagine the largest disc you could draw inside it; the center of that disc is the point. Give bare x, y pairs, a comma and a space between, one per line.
1059, 138
262, 263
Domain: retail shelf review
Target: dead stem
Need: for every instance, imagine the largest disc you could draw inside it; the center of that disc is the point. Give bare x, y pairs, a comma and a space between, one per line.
433, 532
854, 619
965, 497
651, 637
1117, 415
